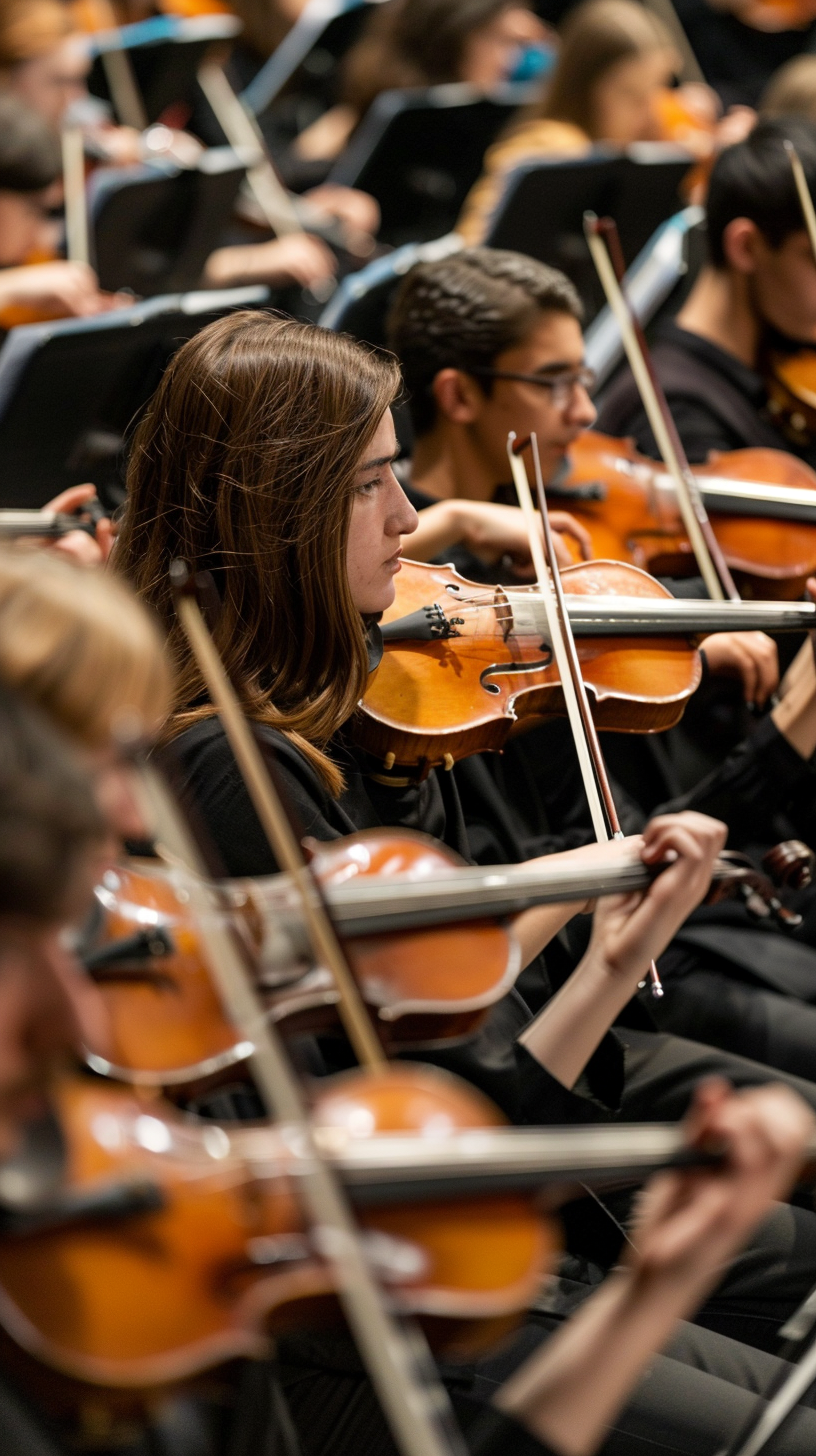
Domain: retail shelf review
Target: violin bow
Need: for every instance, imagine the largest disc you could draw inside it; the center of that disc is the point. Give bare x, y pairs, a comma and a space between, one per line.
803, 192
590, 755
244, 134
77, 247
413, 1400
604, 245
119, 73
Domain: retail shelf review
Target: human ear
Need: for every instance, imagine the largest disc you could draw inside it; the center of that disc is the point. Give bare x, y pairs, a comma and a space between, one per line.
457, 396
741, 241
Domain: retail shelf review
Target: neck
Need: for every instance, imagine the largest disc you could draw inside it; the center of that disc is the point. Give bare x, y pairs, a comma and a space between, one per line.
449, 464
719, 308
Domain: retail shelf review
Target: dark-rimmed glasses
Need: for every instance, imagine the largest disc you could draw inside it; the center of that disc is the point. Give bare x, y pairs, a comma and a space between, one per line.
562, 386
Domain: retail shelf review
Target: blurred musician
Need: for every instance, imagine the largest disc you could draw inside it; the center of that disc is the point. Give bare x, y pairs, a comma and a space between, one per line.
615, 63
756, 292
423, 43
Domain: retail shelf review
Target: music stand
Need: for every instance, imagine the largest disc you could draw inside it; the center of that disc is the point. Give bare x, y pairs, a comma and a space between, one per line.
165, 54
69, 389
420, 151
153, 226
542, 208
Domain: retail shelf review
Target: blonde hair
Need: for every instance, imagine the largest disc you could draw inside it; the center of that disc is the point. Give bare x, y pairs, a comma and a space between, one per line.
32, 28
791, 90
80, 646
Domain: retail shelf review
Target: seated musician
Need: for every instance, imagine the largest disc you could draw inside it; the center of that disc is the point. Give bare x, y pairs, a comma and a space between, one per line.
422, 43
51, 834
44, 63
462, 327
265, 456
757, 290
30, 175
791, 90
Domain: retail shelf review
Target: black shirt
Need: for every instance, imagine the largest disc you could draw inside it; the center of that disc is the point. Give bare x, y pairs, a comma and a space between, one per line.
717, 402
492, 1060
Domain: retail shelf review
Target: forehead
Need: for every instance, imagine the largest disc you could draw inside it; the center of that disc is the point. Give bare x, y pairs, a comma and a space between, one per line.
554, 338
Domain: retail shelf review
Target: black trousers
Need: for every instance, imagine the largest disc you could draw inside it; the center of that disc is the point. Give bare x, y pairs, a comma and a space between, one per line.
746, 1019
695, 1397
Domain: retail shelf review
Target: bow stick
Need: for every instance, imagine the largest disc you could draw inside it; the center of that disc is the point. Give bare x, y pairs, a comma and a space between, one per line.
76, 209
604, 245
590, 756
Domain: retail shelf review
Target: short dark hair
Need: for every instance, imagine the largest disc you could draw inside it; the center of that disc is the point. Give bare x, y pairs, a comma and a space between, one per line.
461, 312
754, 179
49, 819
30, 156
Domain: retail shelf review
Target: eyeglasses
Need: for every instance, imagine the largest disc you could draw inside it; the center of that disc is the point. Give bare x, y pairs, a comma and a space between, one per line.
562, 386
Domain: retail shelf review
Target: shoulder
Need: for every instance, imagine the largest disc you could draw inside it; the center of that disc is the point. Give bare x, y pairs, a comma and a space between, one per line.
542, 137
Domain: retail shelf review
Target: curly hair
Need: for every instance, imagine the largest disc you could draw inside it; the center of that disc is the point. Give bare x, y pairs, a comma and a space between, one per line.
461, 312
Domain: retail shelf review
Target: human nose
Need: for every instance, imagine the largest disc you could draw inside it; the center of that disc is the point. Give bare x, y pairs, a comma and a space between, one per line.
402, 518
580, 409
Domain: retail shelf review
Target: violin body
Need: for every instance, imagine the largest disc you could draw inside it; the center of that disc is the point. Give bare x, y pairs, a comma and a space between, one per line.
790, 379
222, 1260
636, 518
165, 1022
432, 702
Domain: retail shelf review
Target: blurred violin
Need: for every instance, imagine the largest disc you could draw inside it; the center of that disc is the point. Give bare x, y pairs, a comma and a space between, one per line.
790, 381
761, 503
171, 1246
423, 933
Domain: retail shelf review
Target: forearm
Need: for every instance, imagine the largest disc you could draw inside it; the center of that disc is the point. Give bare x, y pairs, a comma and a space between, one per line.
569, 1393
572, 1025
439, 527
534, 929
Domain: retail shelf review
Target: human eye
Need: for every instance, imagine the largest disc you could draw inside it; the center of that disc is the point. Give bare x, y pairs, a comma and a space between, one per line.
369, 487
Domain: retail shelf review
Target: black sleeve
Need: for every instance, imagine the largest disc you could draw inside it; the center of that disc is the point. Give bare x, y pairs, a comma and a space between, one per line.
214, 787
762, 778
700, 429
489, 1432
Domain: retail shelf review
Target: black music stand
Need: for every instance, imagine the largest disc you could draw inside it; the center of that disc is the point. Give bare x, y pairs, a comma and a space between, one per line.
154, 226
420, 151
542, 210
165, 54
70, 389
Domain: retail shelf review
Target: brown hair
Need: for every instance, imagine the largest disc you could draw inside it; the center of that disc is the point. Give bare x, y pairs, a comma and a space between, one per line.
78, 645
413, 43
244, 464
31, 28
596, 36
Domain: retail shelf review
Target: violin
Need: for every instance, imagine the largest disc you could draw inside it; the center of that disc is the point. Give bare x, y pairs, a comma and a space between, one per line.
200, 1225
465, 666
201, 1230
790, 381
761, 503
426, 937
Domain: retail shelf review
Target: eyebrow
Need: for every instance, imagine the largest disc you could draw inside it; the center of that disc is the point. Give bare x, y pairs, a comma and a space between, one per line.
383, 460
558, 366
